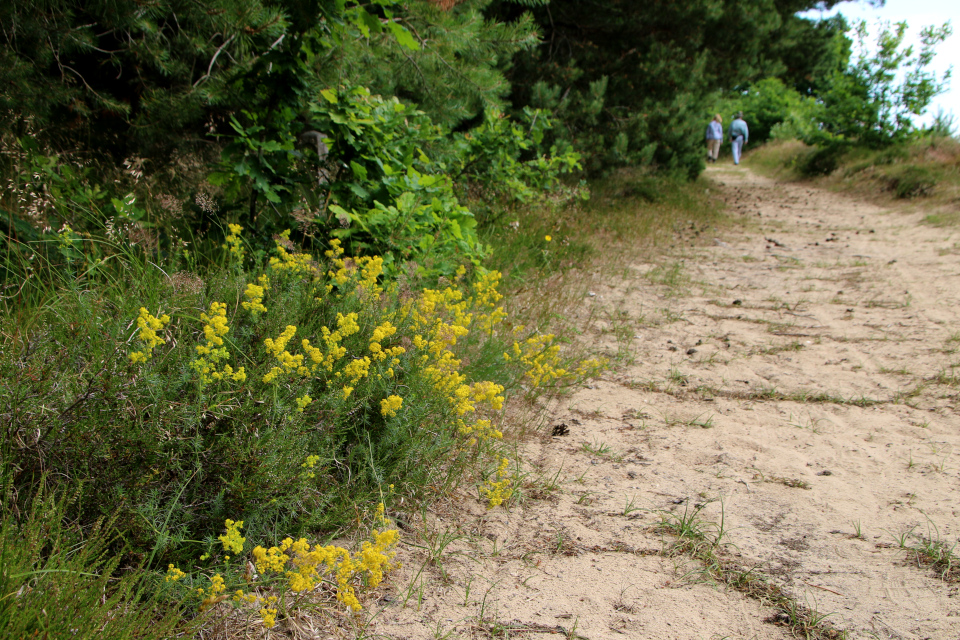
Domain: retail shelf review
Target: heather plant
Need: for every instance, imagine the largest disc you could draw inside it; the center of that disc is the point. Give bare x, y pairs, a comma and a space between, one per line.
61, 581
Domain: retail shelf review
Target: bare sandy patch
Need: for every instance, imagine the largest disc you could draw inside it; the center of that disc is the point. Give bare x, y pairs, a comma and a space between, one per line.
785, 398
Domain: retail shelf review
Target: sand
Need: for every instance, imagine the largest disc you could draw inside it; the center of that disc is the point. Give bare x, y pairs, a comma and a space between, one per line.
793, 380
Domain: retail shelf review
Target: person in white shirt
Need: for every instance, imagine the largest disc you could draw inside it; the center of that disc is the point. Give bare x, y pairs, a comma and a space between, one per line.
714, 138
739, 134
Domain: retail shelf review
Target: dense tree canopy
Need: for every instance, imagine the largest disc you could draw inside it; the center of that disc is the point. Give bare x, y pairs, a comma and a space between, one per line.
289, 108
629, 78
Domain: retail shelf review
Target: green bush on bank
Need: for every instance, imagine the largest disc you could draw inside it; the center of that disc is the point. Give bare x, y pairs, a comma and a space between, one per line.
927, 167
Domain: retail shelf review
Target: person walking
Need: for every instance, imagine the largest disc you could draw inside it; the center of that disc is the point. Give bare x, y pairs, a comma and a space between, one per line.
739, 134
714, 138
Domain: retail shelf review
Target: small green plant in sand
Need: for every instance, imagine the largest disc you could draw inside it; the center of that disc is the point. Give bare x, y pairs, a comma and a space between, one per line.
932, 550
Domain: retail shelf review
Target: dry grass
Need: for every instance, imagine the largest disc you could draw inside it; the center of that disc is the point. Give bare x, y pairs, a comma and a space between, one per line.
924, 173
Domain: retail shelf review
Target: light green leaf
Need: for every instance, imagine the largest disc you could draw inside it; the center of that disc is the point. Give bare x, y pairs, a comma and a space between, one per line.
404, 39
359, 170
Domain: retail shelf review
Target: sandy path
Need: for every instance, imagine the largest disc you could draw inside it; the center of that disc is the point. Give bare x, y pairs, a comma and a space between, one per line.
796, 375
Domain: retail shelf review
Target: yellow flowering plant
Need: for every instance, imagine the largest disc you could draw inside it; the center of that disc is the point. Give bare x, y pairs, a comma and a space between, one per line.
148, 326
347, 382
233, 243
274, 581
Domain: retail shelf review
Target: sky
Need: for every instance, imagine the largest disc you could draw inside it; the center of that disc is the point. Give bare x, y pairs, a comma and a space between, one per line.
917, 14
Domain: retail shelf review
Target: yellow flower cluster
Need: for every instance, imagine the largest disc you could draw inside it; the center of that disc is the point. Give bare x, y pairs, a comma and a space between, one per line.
357, 369
305, 567
254, 294
288, 361
370, 269
213, 350
66, 237
268, 612
294, 263
346, 327
310, 463
148, 326
540, 357
485, 299
302, 403
381, 333
232, 540
479, 431
442, 317
173, 574
497, 488
234, 243
269, 615
215, 594
339, 274
390, 406
590, 367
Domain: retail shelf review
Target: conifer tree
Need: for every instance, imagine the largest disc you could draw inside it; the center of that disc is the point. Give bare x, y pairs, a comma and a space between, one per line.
629, 79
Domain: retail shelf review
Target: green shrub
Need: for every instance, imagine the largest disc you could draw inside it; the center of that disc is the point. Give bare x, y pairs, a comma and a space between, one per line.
773, 109
912, 182
823, 161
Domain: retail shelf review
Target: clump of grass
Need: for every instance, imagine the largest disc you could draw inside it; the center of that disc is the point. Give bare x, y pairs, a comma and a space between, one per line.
629, 212
793, 483
692, 533
703, 540
925, 168
934, 551
912, 182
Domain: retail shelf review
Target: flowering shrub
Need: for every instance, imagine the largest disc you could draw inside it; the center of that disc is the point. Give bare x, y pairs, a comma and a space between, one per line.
234, 244
283, 397
213, 350
497, 488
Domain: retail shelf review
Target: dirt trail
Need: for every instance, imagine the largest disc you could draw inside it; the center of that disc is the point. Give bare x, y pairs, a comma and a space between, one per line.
794, 378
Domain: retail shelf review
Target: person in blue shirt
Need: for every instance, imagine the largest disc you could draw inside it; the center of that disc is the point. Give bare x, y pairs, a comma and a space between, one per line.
739, 134
714, 138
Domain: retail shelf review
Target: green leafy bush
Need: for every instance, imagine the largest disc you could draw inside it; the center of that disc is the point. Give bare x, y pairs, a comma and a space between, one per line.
388, 196
502, 163
874, 102
773, 110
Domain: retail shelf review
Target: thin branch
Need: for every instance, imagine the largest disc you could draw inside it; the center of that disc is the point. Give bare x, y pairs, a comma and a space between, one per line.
214, 60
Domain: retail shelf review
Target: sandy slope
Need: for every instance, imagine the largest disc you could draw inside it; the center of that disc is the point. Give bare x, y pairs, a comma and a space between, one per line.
803, 351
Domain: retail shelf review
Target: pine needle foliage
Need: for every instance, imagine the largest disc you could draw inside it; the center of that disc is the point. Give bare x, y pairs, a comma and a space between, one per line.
62, 581
628, 81
456, 72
